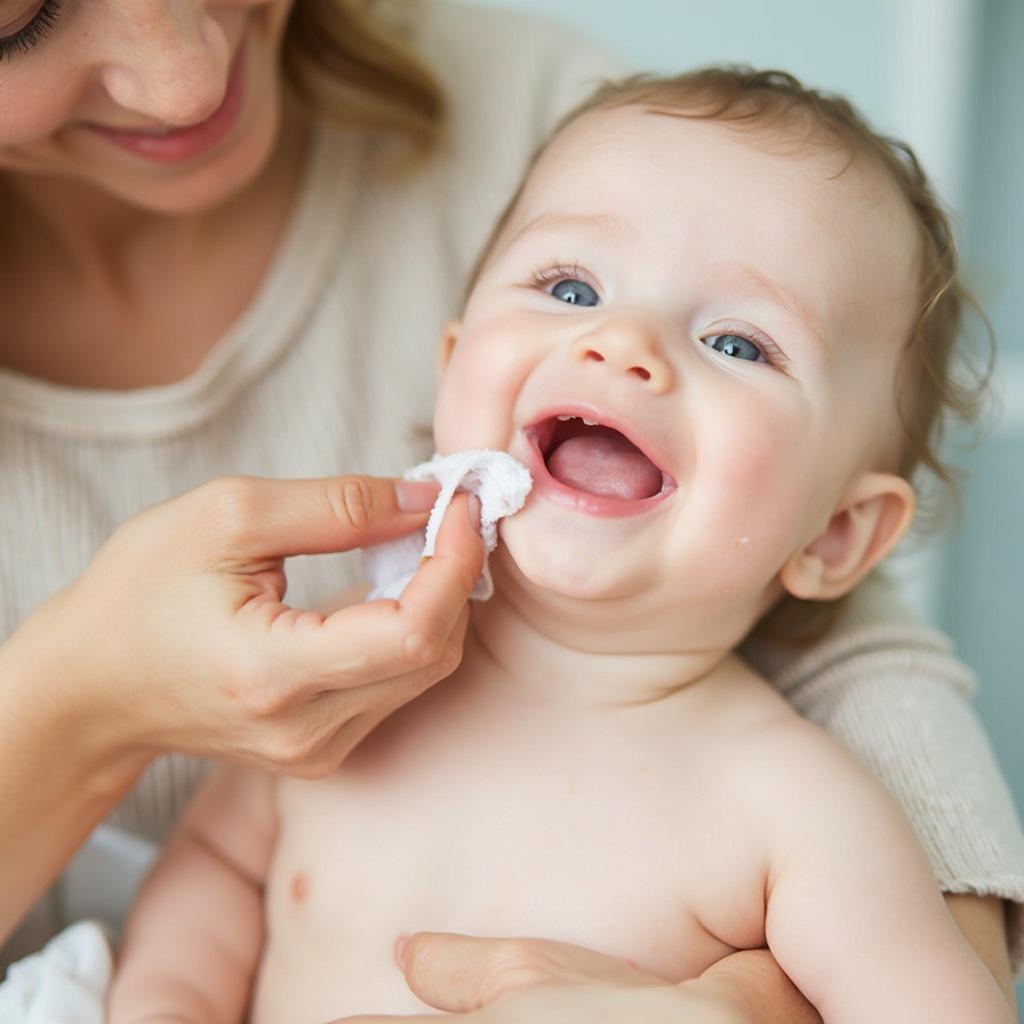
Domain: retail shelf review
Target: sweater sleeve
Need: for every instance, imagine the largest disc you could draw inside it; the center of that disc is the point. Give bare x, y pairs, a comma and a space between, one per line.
891, 690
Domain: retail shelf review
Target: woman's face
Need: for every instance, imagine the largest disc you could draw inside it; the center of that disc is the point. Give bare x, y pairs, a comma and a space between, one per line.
169, 105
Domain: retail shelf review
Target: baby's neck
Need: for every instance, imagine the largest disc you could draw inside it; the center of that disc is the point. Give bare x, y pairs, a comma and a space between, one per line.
533, 657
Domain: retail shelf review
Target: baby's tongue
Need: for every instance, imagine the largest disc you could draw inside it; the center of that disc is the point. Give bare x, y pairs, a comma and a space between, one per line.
604, 462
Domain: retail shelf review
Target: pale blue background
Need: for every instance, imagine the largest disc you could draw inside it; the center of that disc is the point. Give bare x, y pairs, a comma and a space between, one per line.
948, 75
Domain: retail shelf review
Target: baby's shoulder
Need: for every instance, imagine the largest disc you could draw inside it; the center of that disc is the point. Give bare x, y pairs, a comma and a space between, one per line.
775, 755
800, 785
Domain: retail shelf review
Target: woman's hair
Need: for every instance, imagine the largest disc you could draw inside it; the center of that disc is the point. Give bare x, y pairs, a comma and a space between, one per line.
349, 62
932, 385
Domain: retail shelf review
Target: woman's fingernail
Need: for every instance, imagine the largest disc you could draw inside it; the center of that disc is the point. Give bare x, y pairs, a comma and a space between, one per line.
473, 508
414, 496
400, 943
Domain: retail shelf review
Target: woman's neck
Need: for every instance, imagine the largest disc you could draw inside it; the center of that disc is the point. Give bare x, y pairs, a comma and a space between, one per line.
144, 297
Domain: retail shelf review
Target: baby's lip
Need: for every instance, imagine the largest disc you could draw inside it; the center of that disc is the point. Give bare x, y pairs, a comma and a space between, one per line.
539, 435
541, 428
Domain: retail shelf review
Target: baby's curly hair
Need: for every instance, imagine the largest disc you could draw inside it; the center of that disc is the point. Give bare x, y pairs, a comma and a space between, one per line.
932, 385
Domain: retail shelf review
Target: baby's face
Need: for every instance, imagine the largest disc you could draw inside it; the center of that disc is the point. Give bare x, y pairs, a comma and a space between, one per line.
728, 314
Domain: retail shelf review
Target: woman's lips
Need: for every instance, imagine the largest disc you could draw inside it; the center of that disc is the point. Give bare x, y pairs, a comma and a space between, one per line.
184, 144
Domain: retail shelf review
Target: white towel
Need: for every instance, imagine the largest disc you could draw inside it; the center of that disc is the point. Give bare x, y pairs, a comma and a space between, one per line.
498, 481
65, 983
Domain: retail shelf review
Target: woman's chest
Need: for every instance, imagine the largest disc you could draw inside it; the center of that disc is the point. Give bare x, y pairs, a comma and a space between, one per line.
89, 339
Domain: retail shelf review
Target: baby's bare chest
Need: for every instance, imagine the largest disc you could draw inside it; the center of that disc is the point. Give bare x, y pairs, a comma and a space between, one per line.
597, 840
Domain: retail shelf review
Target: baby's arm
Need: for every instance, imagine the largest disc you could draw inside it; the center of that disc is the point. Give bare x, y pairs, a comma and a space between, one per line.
194, 935
889, 688
853, 912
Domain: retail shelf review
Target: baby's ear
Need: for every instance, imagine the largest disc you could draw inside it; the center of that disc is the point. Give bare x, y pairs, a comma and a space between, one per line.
449, 336
873, 515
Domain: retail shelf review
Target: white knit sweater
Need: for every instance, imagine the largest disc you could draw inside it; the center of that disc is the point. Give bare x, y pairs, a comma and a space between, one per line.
331, 369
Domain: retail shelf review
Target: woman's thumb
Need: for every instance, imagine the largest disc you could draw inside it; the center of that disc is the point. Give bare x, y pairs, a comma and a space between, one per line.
461, 973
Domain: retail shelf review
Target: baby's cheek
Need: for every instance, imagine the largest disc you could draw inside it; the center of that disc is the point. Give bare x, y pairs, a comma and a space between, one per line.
766, 496
478, 390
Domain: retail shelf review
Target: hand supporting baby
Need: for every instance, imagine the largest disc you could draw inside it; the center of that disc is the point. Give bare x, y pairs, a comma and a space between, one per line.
509, 981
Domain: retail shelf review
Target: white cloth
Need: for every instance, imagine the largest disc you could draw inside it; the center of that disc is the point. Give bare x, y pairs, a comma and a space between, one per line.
65, 983
498, 481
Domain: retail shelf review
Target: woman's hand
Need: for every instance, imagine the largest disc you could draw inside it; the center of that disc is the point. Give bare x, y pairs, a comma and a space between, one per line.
176, 636
534, 981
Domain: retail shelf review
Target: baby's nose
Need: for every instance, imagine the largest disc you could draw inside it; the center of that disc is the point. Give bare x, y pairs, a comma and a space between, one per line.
631, 347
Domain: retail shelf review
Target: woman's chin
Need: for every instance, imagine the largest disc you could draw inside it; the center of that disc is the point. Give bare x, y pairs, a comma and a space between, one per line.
196, 190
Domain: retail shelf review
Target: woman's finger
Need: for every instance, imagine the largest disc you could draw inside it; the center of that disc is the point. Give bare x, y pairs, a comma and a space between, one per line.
378, 640
435, 597
461, 973
280, 518
588, 1003
378, 1019
310, 737
386, 639
330, 714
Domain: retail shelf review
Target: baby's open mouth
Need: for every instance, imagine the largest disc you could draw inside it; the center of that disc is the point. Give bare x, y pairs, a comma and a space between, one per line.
596, 459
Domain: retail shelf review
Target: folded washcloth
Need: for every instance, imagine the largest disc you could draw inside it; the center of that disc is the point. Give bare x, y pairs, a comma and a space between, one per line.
498, 481
65, 983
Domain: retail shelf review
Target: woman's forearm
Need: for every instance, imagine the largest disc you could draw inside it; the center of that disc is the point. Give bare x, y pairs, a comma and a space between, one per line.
982, 920
60, 778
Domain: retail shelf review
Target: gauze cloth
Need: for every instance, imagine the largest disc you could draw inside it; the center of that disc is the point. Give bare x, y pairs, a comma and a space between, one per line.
66, 982
499, 482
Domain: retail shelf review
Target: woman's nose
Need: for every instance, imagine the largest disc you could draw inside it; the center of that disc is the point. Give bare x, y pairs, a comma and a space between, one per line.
631, 347
171, 64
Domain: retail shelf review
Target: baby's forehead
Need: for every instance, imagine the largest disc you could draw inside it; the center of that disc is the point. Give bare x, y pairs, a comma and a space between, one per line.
794, 205
633, 145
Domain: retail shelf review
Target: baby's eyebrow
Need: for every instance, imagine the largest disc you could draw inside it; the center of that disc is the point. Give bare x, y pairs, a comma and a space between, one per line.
782, 298
551, 219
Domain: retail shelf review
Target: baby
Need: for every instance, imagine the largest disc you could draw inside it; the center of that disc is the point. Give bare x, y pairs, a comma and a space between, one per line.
697, 325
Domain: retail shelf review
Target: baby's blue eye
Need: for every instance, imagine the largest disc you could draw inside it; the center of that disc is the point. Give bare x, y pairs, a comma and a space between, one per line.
576, 293
735, 345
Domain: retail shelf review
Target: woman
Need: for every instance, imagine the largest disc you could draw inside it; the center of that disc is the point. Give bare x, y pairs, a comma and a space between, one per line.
254, 217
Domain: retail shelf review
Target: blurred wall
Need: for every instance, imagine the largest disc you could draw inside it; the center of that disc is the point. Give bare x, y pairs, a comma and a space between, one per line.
982, 599
948, 76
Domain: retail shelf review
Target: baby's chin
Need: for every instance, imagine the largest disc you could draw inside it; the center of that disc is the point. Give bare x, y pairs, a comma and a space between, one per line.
563, 563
